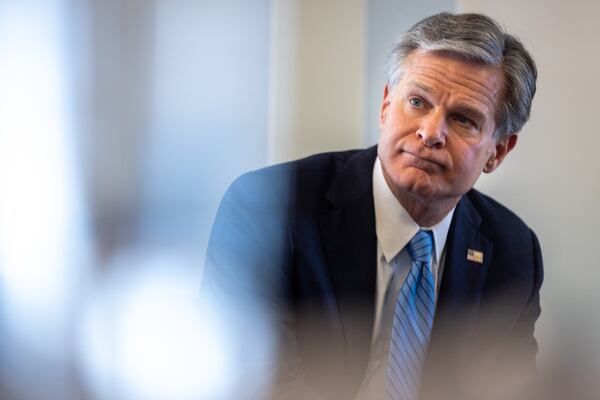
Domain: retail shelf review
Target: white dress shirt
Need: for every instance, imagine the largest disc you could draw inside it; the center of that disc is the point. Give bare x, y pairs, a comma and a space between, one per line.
394, 229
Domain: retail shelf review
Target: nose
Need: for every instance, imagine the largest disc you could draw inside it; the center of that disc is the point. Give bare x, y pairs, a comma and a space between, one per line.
432, 130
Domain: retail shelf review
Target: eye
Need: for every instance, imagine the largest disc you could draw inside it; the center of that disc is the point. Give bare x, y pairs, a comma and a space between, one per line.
415, 102
465, 121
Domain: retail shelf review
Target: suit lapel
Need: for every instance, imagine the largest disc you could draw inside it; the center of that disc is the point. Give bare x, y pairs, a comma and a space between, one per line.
460, 291
348, 235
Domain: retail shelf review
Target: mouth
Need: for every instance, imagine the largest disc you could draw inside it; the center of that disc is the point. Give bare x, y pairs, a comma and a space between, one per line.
423, 162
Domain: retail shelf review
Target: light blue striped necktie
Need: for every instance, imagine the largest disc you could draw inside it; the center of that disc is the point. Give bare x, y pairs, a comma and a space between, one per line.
413, 319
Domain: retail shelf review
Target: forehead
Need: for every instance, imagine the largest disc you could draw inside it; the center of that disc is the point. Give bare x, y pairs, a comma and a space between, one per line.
453, 79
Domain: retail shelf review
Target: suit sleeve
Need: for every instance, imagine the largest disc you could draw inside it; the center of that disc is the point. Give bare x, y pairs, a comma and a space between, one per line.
246, 282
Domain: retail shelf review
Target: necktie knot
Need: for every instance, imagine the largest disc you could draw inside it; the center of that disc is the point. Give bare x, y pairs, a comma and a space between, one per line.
420, 246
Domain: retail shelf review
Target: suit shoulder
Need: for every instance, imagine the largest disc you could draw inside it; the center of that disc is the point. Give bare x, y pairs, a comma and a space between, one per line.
498, 221
325, 161
316, 162
516, 249
308, 173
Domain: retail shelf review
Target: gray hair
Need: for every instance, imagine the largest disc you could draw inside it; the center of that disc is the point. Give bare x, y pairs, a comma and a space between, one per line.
479, 39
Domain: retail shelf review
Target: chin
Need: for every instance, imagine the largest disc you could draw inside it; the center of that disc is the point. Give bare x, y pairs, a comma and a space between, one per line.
415, 185
423, 191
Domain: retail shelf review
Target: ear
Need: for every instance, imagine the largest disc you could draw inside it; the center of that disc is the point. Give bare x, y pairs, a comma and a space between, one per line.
385, 103
503, 147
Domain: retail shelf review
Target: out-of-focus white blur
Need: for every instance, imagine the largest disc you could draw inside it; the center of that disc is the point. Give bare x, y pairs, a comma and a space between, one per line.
143, 334
43, 228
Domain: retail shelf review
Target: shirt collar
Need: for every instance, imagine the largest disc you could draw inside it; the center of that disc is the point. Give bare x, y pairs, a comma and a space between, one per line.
394, 226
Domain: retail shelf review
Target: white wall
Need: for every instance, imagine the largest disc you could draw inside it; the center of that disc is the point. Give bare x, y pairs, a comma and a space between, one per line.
552, 179
316, 77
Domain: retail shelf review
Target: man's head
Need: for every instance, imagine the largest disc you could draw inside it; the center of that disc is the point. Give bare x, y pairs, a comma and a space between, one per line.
459, 90
478, 39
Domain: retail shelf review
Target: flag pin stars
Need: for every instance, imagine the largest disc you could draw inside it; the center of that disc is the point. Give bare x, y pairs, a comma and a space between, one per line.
474, 255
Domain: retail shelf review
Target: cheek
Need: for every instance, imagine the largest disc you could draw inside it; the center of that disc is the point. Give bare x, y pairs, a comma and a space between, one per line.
395, 128
469, 161
388, 136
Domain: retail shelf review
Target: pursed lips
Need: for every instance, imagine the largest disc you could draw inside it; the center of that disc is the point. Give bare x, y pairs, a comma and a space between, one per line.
422, 159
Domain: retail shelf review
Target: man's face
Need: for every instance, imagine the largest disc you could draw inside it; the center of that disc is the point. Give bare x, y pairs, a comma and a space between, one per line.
437, 127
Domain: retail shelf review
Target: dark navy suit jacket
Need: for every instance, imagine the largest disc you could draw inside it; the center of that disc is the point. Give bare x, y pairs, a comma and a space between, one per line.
297, 242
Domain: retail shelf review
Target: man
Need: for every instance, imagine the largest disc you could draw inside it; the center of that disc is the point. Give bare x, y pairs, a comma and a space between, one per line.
381, 272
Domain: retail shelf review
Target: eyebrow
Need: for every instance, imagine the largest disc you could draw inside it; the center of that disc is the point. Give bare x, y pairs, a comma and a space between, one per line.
421, 86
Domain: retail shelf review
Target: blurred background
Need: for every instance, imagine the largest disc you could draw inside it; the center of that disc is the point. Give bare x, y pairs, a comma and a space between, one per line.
122, 122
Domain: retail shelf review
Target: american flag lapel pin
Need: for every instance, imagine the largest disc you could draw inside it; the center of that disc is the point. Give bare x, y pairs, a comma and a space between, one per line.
475, 256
